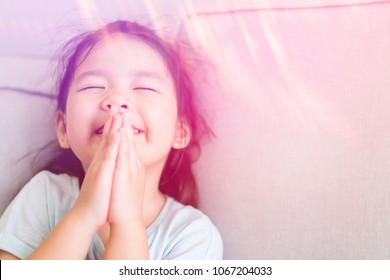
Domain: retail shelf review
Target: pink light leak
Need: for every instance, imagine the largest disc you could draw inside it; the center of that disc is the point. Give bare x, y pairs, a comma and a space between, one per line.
301, 106
283, 71
90, 11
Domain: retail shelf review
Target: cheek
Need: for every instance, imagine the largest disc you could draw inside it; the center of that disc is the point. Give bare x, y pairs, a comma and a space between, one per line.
77, 119
78, 108
161, 125
165, 117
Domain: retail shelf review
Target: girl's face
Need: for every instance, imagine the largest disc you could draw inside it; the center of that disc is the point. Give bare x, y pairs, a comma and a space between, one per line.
121, 71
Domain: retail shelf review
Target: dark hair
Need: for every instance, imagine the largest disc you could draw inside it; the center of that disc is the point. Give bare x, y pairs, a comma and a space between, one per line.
177, 179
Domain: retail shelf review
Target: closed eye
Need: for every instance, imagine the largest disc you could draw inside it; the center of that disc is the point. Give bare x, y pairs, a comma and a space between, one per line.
91, 87
145, 89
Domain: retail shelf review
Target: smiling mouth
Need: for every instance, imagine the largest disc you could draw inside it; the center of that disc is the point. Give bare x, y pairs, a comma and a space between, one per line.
136, 131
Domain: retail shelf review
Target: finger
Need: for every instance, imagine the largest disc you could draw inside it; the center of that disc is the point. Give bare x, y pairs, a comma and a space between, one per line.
126, 191
122, 163
105, 158
131, 150
106, 155
108, 126
124, 136
121, 173
115, 124
109, 138
113, 139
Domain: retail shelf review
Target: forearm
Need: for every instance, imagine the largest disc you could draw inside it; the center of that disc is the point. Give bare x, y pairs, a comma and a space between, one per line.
69, 240
127, 243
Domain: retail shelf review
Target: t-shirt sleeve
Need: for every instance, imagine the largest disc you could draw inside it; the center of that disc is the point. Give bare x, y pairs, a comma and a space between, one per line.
25, 223
198, 240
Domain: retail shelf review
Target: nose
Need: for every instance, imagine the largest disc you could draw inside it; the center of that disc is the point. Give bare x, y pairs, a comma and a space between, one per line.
115, 102
110, 107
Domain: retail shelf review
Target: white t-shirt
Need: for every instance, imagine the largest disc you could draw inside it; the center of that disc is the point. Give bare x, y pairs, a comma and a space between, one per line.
179, 231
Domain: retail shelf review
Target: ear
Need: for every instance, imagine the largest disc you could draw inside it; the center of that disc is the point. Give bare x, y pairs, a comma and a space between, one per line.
183, 135
61, 130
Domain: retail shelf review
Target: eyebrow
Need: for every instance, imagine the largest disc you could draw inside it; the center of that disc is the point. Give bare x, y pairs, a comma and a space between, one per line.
146, 74
136, 74
95, 73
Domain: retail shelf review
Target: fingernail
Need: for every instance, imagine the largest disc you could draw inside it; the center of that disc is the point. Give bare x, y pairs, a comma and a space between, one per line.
116, 117
114, 109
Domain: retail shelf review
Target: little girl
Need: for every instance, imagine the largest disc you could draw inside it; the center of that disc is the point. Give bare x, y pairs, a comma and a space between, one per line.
125, 111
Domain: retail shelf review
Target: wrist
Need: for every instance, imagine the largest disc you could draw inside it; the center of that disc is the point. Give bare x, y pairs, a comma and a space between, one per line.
129, 217
127, 226
83, 220
127, 241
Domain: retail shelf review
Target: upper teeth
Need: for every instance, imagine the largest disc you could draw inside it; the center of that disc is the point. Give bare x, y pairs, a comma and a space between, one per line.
100, 130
